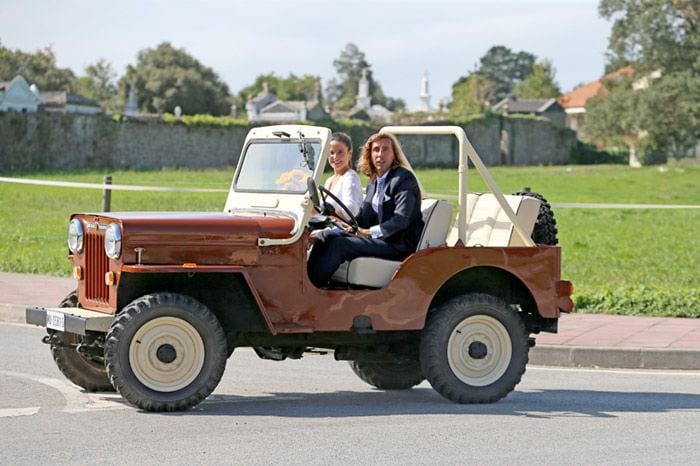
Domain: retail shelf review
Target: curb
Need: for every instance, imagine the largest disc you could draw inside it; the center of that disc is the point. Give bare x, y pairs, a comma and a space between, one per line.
617, 358
12, 314
544, 355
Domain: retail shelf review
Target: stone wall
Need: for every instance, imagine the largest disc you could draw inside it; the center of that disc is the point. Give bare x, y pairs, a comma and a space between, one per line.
43, 141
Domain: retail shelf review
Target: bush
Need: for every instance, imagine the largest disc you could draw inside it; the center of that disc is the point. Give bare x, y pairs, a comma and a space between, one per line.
588, 154
651, 156
203, 120
641, 300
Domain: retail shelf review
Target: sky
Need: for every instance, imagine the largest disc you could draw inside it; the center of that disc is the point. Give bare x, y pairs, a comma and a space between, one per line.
241, 39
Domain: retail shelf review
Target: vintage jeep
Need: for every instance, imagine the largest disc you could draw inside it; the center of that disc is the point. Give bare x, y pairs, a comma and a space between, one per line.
164, 298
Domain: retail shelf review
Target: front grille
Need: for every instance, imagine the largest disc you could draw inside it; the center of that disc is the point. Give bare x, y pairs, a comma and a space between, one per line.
96, 266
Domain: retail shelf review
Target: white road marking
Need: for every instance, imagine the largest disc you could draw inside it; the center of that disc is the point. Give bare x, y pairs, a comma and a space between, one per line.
76, 400
15, 412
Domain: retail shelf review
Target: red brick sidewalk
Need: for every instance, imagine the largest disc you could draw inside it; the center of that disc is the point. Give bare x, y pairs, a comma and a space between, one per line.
624, 332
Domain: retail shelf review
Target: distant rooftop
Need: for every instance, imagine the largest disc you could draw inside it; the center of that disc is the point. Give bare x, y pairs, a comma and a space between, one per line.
513, 105
579, 96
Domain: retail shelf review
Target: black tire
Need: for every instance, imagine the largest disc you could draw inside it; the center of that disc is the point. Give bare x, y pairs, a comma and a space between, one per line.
545, 230
76, 367
389, 375
165, 352
474, 349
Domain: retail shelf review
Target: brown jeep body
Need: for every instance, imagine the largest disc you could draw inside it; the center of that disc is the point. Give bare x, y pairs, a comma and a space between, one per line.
246, 267
181, 252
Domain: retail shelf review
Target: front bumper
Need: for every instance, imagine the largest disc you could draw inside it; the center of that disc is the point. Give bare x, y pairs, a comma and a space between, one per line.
69, 319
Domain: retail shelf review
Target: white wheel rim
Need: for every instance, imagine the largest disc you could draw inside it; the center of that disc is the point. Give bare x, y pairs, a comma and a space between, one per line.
173, 333
475, 334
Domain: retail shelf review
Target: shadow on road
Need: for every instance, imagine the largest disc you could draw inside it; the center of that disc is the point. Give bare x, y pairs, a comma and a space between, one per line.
535, 404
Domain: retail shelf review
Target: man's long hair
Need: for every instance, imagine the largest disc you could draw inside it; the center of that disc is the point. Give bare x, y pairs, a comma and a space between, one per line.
367, 168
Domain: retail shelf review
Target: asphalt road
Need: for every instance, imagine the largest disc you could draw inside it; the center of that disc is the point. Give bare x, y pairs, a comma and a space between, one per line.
316, 411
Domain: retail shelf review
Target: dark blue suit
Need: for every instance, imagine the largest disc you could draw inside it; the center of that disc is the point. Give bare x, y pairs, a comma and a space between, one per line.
399, 218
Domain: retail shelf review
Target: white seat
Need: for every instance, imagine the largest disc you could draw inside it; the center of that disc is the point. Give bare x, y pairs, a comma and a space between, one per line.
375, 272
488, 224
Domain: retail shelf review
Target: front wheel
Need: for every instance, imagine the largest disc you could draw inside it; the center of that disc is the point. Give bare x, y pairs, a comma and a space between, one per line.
165, 352
81, 369
474, 349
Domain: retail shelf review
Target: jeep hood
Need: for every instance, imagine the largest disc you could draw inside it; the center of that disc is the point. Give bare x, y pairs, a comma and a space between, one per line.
193, 237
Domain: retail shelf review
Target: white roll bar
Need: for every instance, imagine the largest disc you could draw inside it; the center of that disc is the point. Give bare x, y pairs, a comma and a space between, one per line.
465, 150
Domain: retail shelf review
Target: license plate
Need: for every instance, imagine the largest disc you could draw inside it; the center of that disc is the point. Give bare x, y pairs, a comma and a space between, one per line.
56, 320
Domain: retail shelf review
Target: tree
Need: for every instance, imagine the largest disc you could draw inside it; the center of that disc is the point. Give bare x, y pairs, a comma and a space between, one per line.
506, 69
670, 113
98, 84
500, 70
653, 34
615, 117
395, 104
38, 68
166, 77
472, 95
661, 39
540, 83
342, 91
292, 87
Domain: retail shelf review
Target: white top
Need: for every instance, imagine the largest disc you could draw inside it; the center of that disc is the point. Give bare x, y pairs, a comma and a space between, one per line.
348, 189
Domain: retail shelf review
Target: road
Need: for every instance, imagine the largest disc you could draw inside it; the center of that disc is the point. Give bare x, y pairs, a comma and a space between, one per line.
316, 411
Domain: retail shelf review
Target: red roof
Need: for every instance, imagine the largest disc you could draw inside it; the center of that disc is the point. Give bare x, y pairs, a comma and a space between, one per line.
579, 96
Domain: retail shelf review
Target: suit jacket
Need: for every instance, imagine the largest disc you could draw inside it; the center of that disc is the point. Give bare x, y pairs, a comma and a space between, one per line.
400, 217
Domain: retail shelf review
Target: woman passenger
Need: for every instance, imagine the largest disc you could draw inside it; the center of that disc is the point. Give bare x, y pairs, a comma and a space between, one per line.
345, 182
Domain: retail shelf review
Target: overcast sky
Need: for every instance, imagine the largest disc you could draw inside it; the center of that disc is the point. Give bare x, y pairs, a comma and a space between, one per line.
241, 39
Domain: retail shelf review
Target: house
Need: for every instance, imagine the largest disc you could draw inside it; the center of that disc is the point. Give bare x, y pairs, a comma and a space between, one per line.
292, 111
548, 108
63, 102
574, 102
18, 96
265, 106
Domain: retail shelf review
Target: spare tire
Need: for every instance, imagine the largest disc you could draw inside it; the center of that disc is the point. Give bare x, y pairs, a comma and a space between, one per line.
545, 229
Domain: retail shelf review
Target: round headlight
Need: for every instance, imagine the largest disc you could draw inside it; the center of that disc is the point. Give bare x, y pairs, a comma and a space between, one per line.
113, 241
75, 236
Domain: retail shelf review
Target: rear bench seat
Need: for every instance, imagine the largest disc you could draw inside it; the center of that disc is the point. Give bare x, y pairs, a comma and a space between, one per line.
488, 224
375, 272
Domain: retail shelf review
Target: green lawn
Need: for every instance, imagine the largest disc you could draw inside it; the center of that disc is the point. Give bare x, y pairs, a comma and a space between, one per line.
632, 261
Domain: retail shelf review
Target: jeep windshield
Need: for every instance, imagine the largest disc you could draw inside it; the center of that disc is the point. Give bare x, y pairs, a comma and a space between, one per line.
277, 166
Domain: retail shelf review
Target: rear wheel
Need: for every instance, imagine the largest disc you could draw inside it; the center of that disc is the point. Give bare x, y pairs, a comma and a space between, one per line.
165, 352
84, 371
474, 349
389, 375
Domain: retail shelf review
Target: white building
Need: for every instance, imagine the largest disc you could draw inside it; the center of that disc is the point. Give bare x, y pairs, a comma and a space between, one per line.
364, 110
266, 107
425, 95
63, 102
18, 96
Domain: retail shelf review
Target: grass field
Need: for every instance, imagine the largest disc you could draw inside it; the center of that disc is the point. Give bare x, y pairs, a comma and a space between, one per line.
630, 261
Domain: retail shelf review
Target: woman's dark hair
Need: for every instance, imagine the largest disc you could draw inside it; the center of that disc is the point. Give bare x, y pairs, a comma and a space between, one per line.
344, 138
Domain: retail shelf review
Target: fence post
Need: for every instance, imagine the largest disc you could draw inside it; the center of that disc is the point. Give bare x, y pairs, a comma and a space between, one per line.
107, 194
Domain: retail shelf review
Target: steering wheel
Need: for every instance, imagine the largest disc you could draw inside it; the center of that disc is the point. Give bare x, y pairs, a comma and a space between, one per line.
352, 221
327, 209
